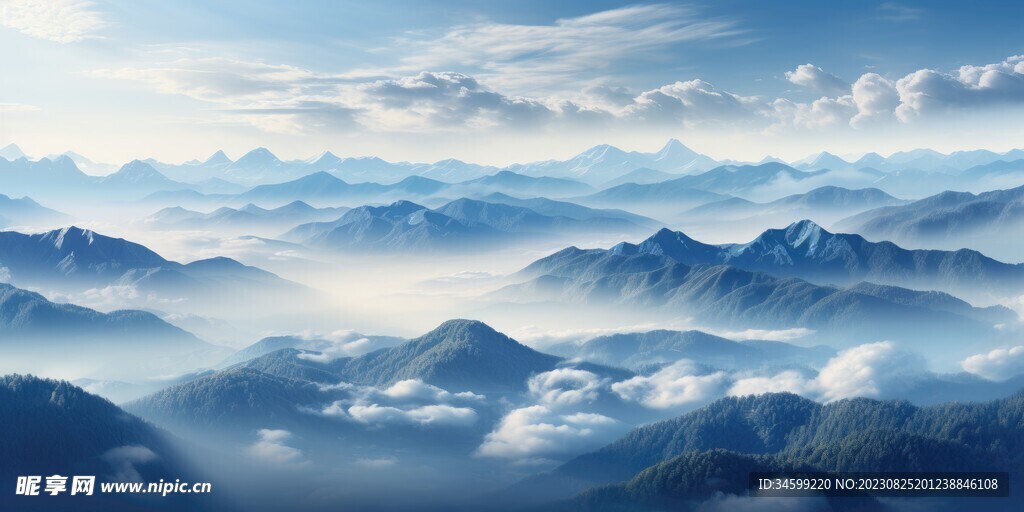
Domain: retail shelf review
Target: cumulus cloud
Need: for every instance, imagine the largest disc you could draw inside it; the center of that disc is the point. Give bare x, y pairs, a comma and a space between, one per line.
429, 99
343, 343
823, 112
875, 98
408, 402
818, 80
790, 381
437, 100
871, 370
537, 432
999, 364
123, 460
427, 415
693, 102
565, 386
271, 446
678, 384
928, 91
61, 21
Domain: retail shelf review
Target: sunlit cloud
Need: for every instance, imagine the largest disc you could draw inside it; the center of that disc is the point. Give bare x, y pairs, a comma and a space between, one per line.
61, 21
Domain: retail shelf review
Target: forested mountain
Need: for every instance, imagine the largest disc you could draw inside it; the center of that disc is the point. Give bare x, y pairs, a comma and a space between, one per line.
666, 462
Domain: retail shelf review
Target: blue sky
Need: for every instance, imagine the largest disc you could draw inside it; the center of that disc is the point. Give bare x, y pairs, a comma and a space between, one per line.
496, 82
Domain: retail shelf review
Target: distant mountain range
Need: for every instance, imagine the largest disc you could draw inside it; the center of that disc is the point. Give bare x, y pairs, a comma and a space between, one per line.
123, 343
249, 218
918, 159
353, 344
824, 204
463, 224
671, 463
60, 178
807, 251
74, 259
641, 350
949, 219
26, 212
323, 188
646, 277
674, 171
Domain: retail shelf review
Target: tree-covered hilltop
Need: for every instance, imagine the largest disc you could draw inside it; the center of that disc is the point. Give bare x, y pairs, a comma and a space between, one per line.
848, 435
53, 427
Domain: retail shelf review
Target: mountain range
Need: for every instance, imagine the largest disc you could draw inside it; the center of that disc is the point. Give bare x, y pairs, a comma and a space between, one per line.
668, 463
74, 259
463, 224
26, 212
61, 179
825, 204
640, 350
249, 218
123, 343
808, 251
949, 219
727, 296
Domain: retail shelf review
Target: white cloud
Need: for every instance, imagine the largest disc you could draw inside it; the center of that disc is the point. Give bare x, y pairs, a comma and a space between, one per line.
693, 102
61, 21
531, 57
871, 370
340, 344
875, 97
123, 460
408, 402
786, 382
818, 80
680, 383
538, 432
928, 91
417, 390
999, 364
289, 99
823, 112
271, 447
764, 334
867, 370
10, 108
438, 100
565, 386
427, 415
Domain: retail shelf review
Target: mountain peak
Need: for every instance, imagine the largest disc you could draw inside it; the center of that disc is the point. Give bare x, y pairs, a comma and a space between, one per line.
71, 235
676, 245
217, 158
599, 152
258, 156
675, 151
805, 231
12, 152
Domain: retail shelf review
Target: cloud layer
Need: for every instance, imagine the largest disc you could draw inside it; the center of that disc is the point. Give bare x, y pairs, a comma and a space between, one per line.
290, 99
61, 21
999, 364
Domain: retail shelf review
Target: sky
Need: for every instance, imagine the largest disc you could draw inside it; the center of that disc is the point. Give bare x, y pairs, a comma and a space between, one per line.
503, 82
